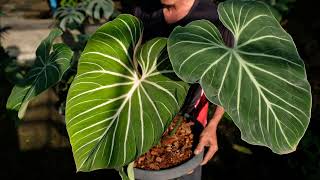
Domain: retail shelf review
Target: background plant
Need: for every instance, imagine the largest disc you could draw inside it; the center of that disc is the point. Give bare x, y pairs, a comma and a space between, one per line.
99, 9
69, 17
51, 63
73, 14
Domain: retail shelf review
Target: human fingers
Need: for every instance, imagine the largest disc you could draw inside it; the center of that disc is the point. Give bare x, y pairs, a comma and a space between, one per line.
213, 148
202, 143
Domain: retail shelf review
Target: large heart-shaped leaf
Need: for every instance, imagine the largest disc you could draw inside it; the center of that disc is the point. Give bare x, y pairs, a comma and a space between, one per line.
113, 114
260, 81
47, 70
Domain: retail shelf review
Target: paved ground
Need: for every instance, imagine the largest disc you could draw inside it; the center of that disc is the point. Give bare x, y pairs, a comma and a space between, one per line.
28, 28
24, 36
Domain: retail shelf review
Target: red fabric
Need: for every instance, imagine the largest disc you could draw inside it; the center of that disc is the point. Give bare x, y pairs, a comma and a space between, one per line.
202, 117
202, 106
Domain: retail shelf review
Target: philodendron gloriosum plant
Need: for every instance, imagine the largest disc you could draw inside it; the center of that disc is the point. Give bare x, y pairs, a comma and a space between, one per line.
116, 112
125, 94
260, 81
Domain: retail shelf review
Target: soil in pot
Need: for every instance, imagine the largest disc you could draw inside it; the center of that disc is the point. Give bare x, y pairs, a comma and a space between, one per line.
175, 147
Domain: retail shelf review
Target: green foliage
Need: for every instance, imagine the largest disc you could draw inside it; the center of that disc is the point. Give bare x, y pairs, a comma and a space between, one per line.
72, 3
51, 63
99, 9
72, 15
260, 81
69, 17
124, 94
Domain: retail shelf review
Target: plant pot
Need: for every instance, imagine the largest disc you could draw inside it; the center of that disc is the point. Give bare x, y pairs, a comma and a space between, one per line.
171, 173
178, 170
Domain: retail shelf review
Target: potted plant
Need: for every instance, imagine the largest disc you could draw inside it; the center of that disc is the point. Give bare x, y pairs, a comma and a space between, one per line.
173, 156
125, 94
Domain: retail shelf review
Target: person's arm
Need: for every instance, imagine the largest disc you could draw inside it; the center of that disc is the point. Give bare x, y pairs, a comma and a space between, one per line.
208, 136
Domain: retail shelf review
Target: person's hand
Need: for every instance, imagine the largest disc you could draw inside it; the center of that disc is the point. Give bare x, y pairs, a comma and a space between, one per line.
208, 138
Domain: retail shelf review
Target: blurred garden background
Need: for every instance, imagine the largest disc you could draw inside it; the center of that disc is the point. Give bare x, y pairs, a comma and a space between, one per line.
37, 147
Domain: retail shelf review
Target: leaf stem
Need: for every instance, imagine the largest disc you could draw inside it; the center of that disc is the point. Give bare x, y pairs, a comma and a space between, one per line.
176, 126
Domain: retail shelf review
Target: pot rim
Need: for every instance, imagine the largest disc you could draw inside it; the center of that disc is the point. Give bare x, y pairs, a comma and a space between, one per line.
170, 173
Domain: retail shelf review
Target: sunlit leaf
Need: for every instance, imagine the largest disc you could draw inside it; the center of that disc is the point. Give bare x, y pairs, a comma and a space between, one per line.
113, 114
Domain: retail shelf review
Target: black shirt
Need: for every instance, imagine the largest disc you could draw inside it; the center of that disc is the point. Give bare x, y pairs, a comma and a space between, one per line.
156, 26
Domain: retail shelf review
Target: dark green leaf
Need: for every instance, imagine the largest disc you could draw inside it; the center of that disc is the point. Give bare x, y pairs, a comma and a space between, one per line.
261, 81
47, 70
